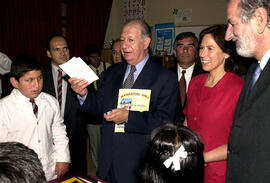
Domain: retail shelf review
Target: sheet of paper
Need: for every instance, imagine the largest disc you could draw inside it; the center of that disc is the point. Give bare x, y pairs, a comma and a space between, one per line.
76, 67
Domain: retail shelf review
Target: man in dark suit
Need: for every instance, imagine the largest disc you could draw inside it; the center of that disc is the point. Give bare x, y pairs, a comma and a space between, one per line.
185, 51
249, 146
56, 84
121, 154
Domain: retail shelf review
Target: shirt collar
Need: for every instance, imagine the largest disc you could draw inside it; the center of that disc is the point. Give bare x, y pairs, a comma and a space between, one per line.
55, 69
139, 66
21, 97
265, 59
188, 69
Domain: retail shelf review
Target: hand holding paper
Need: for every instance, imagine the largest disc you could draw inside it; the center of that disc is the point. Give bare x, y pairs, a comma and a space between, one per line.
79, 86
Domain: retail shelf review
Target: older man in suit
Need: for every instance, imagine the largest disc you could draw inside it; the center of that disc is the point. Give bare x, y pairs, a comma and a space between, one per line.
122, 153
249, 148
55, 83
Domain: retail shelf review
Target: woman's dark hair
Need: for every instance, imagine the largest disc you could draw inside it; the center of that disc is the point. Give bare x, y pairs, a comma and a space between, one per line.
163, 144
218, 32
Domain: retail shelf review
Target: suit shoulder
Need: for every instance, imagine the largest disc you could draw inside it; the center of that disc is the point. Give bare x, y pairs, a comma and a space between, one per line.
46, 69
115, 67
160, 68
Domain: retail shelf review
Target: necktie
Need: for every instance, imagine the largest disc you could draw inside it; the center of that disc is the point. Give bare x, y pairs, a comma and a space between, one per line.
256, 75
97, 72
130, 79
98, 81
182, 87
35, 107
59, 87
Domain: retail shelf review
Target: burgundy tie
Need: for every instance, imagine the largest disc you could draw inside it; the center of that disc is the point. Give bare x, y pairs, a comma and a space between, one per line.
182, 87
59, 87
35, 107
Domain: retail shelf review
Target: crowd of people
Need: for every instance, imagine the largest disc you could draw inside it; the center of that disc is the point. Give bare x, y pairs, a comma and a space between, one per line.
204, 123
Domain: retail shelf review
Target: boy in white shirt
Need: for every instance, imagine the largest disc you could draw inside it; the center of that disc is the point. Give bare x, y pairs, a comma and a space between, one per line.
37, 123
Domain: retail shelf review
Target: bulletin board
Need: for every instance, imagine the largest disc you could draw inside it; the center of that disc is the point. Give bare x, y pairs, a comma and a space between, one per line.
177, 30
164, 38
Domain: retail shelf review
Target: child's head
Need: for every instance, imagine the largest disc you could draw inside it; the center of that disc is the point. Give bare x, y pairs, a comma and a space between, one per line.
26, 76
181, 149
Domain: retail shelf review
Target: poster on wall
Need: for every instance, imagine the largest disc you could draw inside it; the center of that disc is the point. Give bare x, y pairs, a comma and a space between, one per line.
164, 37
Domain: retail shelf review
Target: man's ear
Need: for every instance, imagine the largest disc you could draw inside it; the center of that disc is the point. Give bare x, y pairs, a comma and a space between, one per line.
146, 42
174, 52
261, 19
14, 82
48, 54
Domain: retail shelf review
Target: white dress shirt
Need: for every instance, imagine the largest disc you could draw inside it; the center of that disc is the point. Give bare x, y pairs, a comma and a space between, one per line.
64, 86
188, 74
46, 134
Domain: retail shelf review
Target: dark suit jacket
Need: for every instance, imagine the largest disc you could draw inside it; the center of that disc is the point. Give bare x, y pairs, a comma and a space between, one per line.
124, 152
180, 117
249, 146
75, 126
95, 119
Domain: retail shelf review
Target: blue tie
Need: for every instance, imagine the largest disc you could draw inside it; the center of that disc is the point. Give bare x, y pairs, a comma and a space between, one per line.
256, 75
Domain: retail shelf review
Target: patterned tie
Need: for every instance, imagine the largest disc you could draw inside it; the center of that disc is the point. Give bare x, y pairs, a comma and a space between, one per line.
130, 79
59, 87
35, 107
182, 87
256, 75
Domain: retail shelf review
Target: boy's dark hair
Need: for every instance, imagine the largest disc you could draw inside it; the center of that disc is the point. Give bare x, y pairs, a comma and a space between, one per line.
23, 64
48, 46
163, 144
91, 48
19, 164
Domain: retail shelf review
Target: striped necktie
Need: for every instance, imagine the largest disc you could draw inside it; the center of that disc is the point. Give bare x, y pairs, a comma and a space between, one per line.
59, 87
35, 107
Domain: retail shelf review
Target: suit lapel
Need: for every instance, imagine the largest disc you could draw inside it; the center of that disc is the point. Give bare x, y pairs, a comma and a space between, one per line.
68, 104
118, 83
241, 104
144, 79
261, 84
48, 81
248, 96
